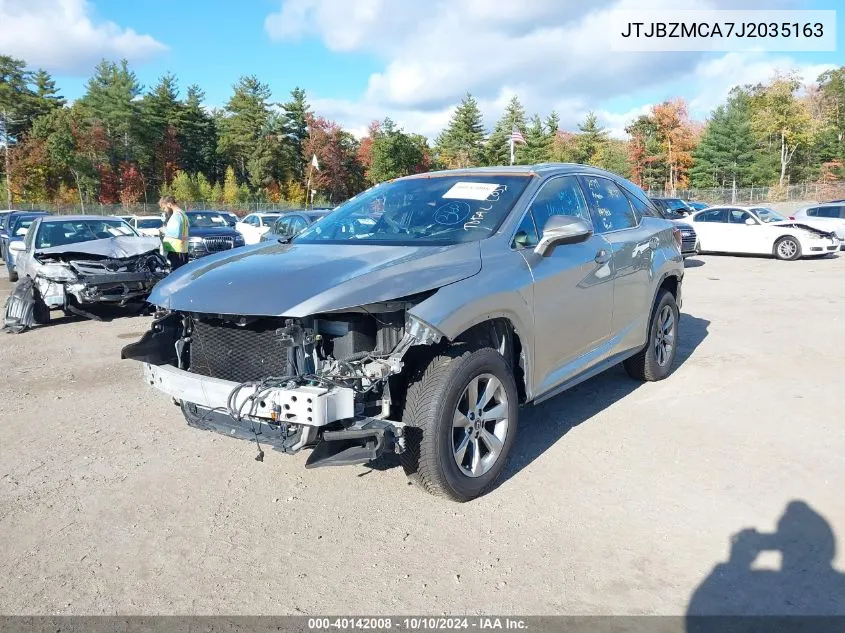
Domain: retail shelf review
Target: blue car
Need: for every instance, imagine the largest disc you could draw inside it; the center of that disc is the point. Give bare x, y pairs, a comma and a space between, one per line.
14, 229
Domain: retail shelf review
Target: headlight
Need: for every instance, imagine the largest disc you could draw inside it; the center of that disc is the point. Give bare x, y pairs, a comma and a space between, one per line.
56, 272
239, 240
196, 244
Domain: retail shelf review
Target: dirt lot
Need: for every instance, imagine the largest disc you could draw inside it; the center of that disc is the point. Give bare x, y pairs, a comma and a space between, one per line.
620, 497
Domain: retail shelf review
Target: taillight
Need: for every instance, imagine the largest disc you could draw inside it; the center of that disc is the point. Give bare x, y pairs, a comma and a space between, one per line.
791, 217
676, 233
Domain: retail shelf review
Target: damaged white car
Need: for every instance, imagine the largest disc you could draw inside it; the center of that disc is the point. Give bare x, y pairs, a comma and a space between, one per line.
73, 262
417, 317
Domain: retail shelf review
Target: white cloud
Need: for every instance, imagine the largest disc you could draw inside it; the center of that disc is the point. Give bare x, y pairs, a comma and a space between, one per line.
553, 53
61, 36
719, 75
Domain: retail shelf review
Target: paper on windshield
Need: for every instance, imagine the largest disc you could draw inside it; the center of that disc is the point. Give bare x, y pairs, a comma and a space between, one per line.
471, 190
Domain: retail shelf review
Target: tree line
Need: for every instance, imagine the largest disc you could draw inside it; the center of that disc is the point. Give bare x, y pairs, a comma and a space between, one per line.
119, 143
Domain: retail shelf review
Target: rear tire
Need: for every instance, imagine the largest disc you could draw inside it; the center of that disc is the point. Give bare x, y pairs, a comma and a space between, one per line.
654, 361
461, 410
787, 248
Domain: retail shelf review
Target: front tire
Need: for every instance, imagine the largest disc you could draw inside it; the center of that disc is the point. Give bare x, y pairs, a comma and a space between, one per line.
654, 361
787, 248
461, 411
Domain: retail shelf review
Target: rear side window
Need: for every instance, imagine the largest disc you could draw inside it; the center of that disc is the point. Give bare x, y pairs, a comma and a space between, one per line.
612, 210
713, 215
829, 212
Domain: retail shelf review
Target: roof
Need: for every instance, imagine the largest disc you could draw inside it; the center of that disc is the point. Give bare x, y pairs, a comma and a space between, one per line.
77, 218
33, 212
539, 169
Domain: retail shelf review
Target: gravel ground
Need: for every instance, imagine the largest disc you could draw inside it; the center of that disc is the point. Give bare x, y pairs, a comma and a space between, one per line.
619, 497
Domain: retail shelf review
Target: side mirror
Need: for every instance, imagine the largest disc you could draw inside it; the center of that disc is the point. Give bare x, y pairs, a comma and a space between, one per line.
562, 229
751, 222
17, 246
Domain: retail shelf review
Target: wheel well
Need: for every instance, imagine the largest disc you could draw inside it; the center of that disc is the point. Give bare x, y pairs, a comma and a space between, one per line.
501, 335
670, 284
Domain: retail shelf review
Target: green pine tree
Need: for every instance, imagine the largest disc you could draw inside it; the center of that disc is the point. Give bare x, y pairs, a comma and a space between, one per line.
725, 155
245, 124
461, 143
591, 141
497, 149
295, 124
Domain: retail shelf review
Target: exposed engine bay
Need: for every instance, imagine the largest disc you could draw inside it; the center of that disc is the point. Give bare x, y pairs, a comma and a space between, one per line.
321, 381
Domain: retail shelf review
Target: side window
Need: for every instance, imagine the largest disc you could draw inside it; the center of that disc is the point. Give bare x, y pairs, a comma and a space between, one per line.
559, 196
641, 209
611, 206
713, 215
738, 216
282, 226
297, 224
830, 212
30, 236
813, 213
526, 235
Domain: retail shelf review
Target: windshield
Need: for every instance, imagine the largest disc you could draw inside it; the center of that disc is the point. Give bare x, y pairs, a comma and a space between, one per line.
419, 211
149, 223
672, 214
75, 231
207, 220
21, 226
768, 215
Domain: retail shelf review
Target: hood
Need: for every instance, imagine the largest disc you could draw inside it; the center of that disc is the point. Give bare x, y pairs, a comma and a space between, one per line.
300, 279
212, 231
804, 226
114, 247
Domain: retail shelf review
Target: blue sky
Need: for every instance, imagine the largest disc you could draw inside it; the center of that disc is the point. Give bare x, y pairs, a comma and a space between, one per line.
410, 59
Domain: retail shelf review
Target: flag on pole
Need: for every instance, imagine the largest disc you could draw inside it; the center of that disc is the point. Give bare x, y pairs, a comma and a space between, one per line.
516, 136
315, 163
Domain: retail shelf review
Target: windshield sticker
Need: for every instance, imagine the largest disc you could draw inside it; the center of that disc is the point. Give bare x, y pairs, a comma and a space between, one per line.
471, 190
452, 213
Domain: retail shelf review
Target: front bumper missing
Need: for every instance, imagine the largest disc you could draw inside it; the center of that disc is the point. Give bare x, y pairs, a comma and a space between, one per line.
322, 418
309, 406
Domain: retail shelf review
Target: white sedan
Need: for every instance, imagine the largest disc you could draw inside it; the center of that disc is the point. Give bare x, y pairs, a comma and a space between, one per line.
253, 226
149, 225
759, 231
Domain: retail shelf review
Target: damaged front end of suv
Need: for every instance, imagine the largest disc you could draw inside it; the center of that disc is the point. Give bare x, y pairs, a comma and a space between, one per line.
320, 381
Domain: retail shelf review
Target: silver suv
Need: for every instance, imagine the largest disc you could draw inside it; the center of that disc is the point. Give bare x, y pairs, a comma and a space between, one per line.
417, 317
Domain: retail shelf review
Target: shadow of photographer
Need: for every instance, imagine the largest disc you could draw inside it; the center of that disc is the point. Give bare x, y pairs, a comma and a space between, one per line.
805, 585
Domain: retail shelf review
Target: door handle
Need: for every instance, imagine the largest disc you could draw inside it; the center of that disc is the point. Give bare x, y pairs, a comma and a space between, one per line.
602, 257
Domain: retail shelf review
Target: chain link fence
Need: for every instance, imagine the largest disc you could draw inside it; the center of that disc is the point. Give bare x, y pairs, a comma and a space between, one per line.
241, 209
809, 192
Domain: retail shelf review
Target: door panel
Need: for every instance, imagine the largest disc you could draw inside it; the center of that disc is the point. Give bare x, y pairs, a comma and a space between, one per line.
573, 307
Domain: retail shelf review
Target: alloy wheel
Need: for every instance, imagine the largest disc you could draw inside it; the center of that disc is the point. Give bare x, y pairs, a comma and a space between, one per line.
480, 425
664, 339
